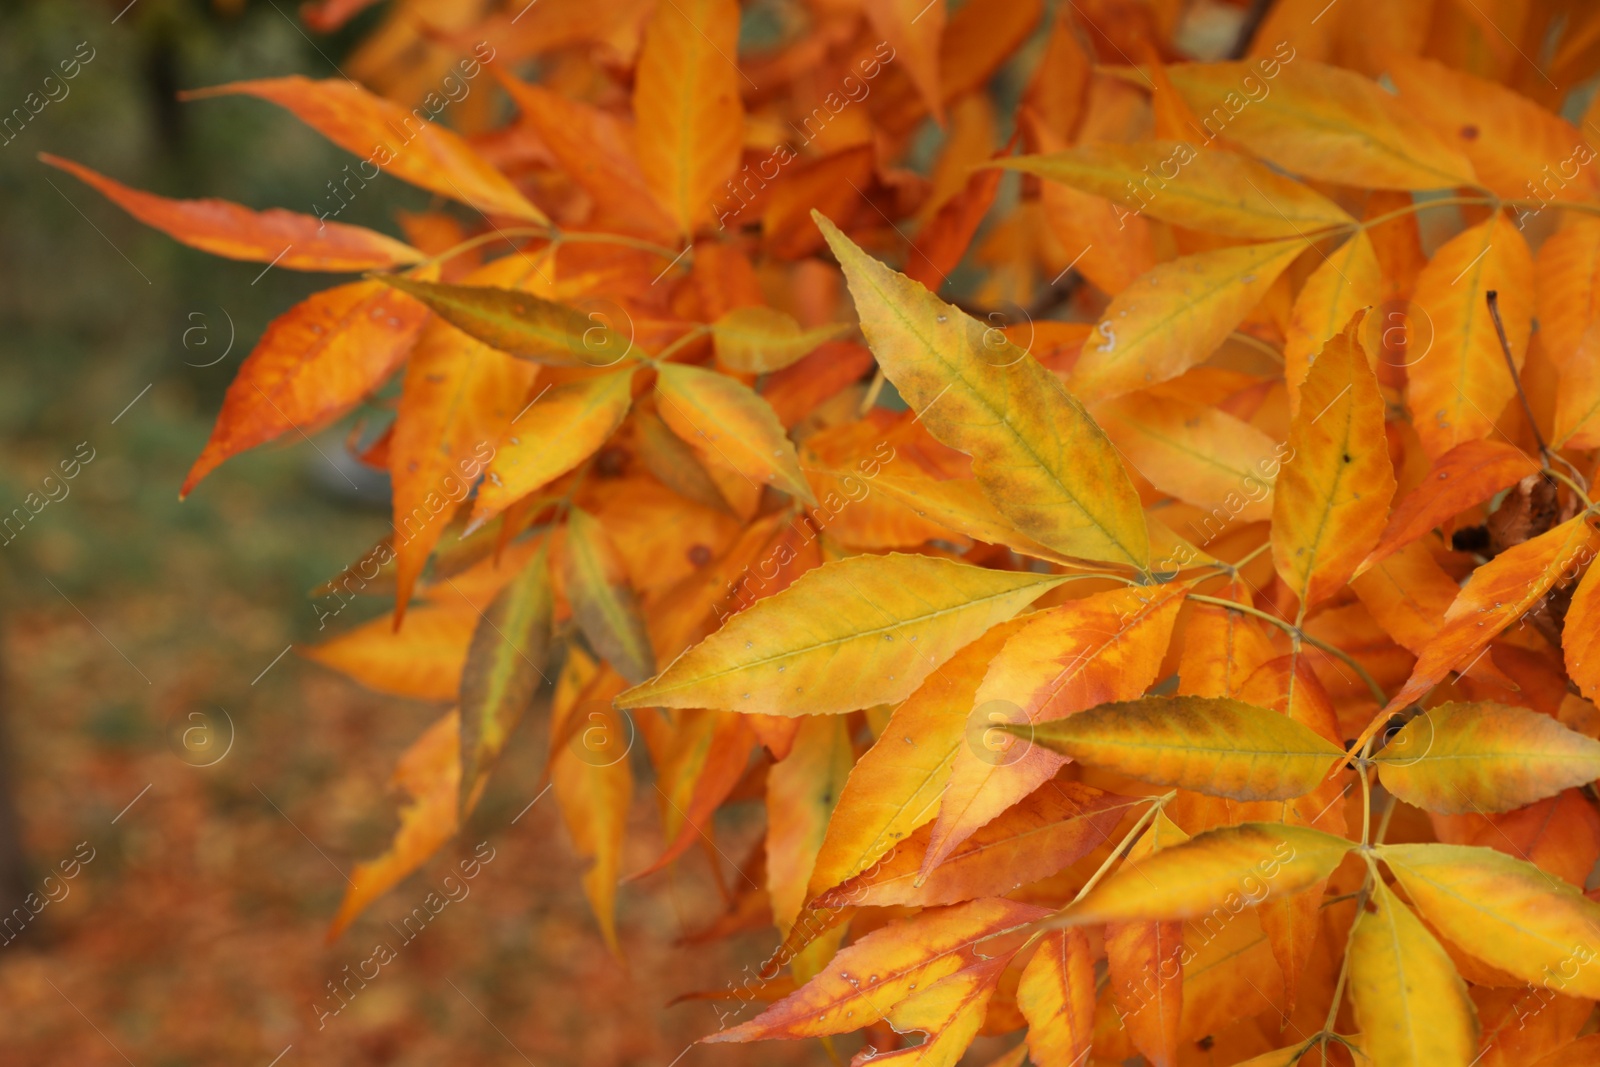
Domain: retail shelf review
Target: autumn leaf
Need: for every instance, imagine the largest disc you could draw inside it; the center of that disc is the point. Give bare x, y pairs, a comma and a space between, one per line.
422, 660
1409, 1002
1056, 995
1331, 499
1468, 474
603, 604
1038, 455
389, 138
1212, 745
758, 340
283, 238
504, 668
1175, 316
1320, 122
888, 619
883, 968
1504, 911
686, 103
1228, 869
1457, 758
730, 427
1216, 191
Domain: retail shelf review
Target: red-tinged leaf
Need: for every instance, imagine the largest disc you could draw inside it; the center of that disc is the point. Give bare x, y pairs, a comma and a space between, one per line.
944, 239
283, 238
730, 427
1463, 477
1580, 636
1085, 652
314, 362
504, 668
884, 968
1456, 391
1056, 995
389, 138
595, 149
914, 29
1560, 835
689, 121
797, 390
895, 785
551, 436
1330, 501
714, 765
1494, 597
802, 789
949, 1012
428, 774
423, 660
1049, 830
1497, 130
1144, 963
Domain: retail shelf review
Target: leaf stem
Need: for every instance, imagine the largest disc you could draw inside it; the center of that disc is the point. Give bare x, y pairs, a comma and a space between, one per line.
699, 330
1294, 631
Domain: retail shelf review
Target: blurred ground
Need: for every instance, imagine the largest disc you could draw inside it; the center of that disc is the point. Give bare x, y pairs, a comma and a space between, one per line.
195, 933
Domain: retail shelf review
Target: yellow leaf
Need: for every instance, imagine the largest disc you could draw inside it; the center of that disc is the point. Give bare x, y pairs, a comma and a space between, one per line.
1506, 912
422, 660
1212, 745
689, 121
852, 633
1321, 122
949, 1012
1175, 316
895, 785
1036, 452
1461, 758
550, 437
1056, 995
1210, 190
729, 426
1105, 647
1411, 1005
760, 340
1567, 273
1347, 280
1457, 388
1332, 497
1225, 870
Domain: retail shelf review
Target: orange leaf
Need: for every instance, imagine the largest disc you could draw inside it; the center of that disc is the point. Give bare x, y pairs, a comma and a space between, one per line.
801, 791
1144, 962
283, 238
314, 362
1056, 995
389, 138
429, 773
1332, 496
1468, 474
1456, 389
689, 121
914, 29
423, 660
884, 968
1567, 272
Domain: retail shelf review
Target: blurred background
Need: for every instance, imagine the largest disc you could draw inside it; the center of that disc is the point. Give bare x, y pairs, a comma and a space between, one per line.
192, 932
